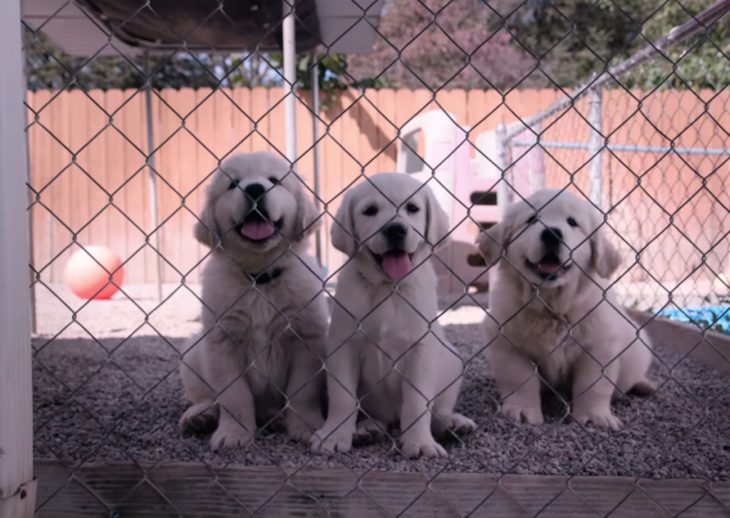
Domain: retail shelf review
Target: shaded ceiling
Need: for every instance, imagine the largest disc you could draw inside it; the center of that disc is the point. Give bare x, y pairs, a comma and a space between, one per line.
204, 24
106, 27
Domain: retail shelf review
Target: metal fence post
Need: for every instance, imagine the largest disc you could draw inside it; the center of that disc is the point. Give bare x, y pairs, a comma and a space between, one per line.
315, 152
537, 173
595, 115
17, 488
152, 175
290, 78
503, 189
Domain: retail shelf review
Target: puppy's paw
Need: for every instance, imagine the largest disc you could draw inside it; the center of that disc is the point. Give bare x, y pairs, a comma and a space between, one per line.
459, 424
599, 418
328, 440
427, 449
529, 415
369, 430
200, 419
230, 435
300, 429
643, 388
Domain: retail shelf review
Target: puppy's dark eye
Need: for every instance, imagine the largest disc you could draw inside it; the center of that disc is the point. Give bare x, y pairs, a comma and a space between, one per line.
533, 219
572, 222
412, 208
232, 185
274, 180
370, 210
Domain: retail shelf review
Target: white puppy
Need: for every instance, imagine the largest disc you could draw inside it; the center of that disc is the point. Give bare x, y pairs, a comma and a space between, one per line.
549, 318
264, 323
386, 355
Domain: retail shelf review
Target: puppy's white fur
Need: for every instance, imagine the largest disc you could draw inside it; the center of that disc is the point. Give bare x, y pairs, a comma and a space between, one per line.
559, 325
260, 345
386, 355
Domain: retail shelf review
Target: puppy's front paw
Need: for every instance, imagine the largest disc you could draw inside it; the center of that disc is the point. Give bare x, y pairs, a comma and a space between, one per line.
522, 414
300, 429
369, 430
329, 440
459, 424
230, 435
428, 449
200, 419
598, 417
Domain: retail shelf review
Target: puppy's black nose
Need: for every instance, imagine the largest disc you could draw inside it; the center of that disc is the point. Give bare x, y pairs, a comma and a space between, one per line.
552, 237
394, 233
254, 191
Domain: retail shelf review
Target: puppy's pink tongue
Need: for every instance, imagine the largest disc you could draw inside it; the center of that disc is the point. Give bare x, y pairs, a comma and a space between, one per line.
548, 267
396, 265
257, 230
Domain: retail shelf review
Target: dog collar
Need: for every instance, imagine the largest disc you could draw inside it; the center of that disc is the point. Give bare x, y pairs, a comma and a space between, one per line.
266, 277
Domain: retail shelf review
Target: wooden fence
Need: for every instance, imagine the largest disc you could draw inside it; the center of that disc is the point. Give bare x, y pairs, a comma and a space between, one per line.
89, 179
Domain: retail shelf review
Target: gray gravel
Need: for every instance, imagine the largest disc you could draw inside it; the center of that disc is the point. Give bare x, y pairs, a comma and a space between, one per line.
117, 399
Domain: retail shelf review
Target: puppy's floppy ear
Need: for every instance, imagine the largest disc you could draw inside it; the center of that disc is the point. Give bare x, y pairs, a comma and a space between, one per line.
437, 222
491, 242
605, 258
343, 228
306, 220
205, 229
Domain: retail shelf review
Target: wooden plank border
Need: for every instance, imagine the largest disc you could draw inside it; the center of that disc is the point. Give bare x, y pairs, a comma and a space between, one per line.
196, 490
707, 347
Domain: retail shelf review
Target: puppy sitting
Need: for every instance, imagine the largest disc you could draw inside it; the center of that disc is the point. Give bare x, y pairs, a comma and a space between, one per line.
264, 323
386, 354
549, 315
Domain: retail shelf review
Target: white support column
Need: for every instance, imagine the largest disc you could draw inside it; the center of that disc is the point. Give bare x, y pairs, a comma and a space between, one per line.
504, 191
289, 49
315, 151
537, 171
17, 489
595, 172
152, 175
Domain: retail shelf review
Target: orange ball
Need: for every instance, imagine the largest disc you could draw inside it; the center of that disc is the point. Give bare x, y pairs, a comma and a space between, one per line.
89, 278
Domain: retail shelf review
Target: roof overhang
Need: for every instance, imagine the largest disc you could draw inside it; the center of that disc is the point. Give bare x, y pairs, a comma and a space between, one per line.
108, 27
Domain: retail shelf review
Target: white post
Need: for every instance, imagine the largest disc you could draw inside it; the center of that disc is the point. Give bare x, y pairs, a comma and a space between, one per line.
504, 191
315, 149
288, 46
595, 171
152, 175
17, 488
537, 172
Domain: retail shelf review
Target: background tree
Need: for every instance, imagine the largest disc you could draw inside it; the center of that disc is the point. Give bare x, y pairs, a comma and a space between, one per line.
497, 43
575, 38
441, 44
47, 66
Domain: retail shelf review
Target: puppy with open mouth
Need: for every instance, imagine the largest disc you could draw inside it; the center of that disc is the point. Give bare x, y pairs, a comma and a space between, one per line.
552, 317
264, 317
388, 360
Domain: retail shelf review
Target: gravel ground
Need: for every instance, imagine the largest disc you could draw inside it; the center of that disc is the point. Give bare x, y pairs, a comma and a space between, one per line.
106, 388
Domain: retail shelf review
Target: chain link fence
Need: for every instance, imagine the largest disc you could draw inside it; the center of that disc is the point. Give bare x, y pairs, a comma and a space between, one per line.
243, 303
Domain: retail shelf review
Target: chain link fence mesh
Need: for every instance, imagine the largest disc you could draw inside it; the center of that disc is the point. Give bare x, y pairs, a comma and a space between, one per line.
653, 160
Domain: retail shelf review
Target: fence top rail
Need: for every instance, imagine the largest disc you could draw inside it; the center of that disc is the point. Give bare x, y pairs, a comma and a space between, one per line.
626, 147
678, 34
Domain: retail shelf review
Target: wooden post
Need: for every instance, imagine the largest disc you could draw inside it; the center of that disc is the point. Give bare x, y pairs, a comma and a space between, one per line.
17, 489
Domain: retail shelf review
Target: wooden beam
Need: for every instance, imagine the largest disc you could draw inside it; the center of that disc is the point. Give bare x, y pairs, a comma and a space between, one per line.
708, 347
194, 489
